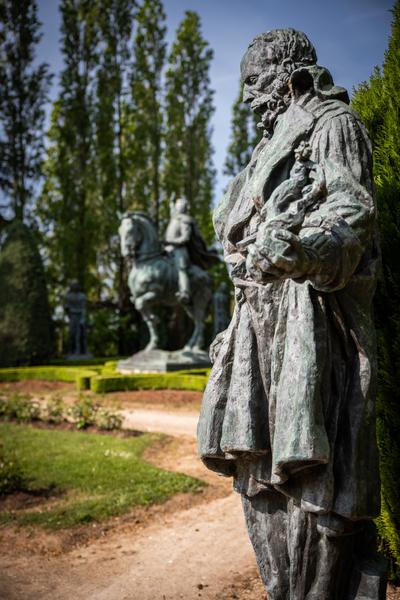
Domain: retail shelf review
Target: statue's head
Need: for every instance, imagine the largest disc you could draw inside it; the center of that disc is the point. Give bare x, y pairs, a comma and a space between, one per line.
266, 68
75, 286
181, 206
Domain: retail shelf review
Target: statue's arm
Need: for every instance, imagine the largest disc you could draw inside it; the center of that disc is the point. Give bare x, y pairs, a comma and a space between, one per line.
328, 248
337, 234
184, 234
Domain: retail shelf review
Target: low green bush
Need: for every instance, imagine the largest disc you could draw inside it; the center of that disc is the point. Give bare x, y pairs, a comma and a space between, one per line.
20, 407
86, 412
54, 412
101, 384
104, 378
83, 412
81, 376
11, 479
108, 420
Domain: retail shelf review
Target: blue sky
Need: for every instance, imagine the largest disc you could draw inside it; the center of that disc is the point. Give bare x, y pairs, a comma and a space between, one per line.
350, 38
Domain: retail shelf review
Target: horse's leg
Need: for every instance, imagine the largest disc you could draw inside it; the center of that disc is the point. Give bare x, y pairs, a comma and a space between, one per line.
144, 305
200, 304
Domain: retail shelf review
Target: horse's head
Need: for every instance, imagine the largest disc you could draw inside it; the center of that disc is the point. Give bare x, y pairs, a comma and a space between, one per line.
137, 234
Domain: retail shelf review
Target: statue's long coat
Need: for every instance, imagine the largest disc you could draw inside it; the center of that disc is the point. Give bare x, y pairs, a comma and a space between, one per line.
290, 400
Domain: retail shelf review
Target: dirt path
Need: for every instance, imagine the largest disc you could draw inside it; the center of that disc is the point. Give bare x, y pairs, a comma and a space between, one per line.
177, 424
194, 553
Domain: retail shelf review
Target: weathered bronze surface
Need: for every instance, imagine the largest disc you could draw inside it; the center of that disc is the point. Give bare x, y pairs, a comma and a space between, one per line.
289, 408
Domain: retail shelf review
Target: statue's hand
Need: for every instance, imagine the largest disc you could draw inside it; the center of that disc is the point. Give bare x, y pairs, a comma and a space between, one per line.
279, 253
216, 346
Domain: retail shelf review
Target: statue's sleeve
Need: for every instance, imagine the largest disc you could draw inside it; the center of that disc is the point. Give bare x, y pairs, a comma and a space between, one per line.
338, 232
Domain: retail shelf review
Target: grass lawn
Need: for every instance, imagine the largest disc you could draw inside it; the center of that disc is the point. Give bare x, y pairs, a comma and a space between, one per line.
96, 476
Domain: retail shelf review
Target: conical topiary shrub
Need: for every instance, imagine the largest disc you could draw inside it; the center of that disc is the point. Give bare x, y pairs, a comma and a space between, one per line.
25, 321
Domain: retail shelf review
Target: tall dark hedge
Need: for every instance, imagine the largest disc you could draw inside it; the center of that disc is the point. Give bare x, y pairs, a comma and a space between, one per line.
378, 103
25, 321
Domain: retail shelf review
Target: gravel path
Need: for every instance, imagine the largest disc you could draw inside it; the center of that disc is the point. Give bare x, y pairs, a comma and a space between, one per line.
161, 421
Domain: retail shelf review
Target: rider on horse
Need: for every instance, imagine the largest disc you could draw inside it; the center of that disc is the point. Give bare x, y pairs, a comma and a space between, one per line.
184, 241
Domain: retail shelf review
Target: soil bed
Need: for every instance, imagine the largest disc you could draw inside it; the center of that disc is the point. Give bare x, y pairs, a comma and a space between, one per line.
36, 386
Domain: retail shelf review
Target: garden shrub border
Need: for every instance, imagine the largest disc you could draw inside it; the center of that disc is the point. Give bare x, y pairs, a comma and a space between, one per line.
81, 376
103, 379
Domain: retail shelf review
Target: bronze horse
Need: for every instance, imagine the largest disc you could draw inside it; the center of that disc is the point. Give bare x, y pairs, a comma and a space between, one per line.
153, 279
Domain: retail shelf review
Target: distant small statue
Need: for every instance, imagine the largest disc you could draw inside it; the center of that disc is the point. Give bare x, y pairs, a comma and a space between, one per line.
221, 305
75, 307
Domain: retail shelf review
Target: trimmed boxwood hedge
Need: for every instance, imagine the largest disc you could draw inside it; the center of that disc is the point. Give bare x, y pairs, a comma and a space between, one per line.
101, 384
106, 379
81, 376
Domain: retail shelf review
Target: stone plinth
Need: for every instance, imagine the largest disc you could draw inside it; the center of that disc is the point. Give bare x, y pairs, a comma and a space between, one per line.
161, 361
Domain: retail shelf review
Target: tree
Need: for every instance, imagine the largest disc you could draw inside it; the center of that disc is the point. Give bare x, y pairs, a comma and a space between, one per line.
378, 103
116, 24
23, 94
244, 137
145, 118
25, 323
188, 168
69, 204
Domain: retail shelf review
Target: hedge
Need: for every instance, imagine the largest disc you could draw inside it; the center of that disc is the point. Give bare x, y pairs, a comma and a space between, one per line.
106, 379
81, 376
101, 384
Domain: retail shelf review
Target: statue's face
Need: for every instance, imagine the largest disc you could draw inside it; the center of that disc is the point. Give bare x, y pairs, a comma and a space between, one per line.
258, 73
181, 205
265, 84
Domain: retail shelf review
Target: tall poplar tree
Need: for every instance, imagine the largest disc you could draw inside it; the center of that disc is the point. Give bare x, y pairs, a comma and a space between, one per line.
69, 204
116, 22
23, 94
378, 103
188, 168
145, 117
115, 19
244, 137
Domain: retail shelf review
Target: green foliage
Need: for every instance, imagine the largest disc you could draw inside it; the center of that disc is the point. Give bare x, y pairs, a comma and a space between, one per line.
25, 322
84, 411
54, 412
23, 93
144, 114
121, 137
69, 206
378, 103
111, 330
244, 137
188, 169
20, 407
107, 379
81, 376
102, 384
101, 476
108, 420
11, 479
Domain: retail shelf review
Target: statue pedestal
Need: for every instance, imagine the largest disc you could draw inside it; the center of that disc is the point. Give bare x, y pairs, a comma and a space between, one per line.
161, 361
73, 357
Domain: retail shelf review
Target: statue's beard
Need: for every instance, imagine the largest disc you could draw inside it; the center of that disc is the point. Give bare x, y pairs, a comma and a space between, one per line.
271, 104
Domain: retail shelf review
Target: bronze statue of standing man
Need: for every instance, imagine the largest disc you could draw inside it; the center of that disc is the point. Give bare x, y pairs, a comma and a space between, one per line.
289, 408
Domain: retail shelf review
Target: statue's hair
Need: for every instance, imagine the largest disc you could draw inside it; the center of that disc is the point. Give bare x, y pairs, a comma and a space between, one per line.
290, 46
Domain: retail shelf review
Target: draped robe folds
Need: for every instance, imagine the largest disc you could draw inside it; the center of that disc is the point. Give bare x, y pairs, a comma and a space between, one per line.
289, 405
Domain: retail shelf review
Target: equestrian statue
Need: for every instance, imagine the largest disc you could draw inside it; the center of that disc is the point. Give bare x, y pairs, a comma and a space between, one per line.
168, 273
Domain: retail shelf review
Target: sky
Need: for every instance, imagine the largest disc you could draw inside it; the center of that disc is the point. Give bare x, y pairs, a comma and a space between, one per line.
350, 38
